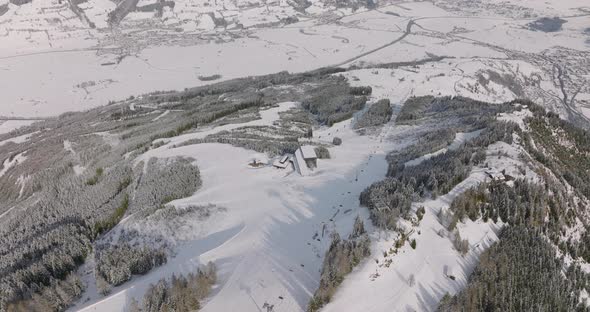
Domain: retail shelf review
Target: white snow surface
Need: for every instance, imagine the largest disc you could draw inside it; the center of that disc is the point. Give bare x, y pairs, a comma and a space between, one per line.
77, 67
78, 169
460, 138
267, 117
308, 151
262, 239
19, 139
263, 243
433, 260
517, 117
9, 163
434, 254
9, 125
161, 115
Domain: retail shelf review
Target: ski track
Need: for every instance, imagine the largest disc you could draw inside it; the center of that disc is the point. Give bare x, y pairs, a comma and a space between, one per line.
273, 254
427, 263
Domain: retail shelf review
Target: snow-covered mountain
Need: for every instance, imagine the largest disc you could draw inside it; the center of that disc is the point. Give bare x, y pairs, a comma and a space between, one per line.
413, 153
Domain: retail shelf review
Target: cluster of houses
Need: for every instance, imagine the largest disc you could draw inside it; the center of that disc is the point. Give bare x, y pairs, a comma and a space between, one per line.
303, 161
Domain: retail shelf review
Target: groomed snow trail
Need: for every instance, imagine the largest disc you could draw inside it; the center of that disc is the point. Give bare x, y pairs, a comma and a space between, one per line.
435, 259
431, 263
276, 256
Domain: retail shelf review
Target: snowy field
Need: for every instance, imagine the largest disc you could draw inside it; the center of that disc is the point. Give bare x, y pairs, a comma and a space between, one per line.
78, 67
9, 125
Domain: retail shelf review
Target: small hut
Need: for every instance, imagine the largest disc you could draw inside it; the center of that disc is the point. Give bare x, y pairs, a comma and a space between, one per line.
305, 159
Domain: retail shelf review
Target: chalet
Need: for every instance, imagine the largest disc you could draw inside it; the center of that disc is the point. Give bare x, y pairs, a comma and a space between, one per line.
309, 155
305, 160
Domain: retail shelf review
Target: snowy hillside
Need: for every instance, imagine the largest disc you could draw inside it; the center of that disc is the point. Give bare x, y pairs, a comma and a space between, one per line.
172, 181
294, 155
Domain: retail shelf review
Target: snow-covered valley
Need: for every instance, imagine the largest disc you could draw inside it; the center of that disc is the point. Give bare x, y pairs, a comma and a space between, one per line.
78, 68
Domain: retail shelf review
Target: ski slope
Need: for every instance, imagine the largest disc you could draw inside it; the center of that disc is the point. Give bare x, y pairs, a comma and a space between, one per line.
263, 243
431, 263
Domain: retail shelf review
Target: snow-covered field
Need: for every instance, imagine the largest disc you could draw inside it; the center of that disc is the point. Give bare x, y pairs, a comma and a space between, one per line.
18, 139
77, 67
9, 125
